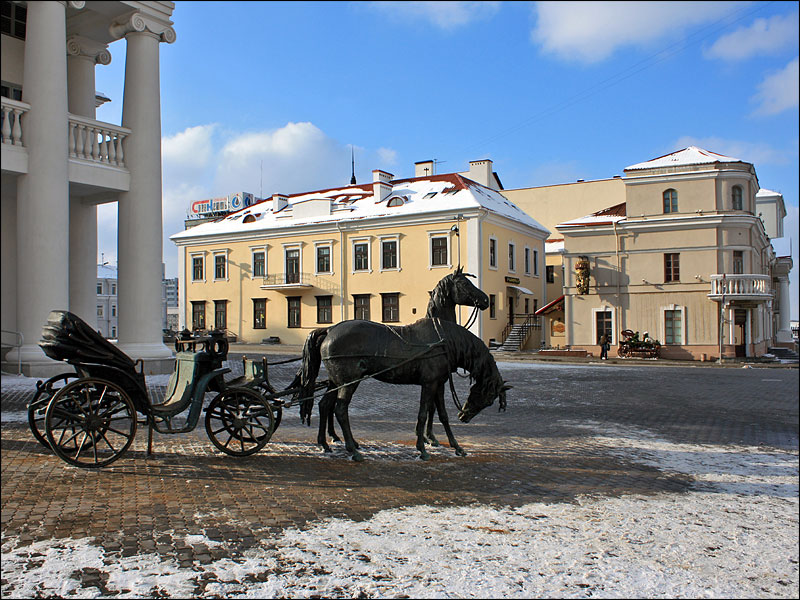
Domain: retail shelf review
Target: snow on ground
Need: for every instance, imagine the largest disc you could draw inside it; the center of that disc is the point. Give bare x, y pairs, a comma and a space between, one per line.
734, 535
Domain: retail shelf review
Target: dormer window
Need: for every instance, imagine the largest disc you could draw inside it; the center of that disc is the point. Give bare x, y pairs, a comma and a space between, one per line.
736, 197
395, 201
670, 201
429, 195
249, 219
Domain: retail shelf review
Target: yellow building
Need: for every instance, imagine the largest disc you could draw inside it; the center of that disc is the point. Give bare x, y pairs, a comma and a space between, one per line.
667, 245
292, 263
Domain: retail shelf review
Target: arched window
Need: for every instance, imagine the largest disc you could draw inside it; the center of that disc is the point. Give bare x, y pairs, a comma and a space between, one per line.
736, 197
670, 201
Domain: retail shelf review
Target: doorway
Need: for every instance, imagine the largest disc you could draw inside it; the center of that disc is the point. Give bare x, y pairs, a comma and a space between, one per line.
511, 310
740, 332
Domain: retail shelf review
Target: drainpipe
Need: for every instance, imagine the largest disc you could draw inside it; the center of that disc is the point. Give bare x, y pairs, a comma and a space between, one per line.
342, 252
619, 276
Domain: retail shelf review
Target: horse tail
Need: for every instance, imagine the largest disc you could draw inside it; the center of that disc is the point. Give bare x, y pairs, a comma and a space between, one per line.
312, 358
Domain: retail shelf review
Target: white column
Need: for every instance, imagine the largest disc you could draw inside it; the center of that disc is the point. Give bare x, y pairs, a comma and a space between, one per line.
139, 253
43, 194
83, 54
784, 333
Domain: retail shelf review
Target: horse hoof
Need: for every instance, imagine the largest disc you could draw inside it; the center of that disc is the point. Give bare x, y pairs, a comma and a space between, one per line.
434, 442
357, 457
424, 456
335, 439
460, 452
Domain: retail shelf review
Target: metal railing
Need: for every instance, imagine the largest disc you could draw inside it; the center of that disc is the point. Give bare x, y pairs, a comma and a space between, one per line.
16, 345
526, 323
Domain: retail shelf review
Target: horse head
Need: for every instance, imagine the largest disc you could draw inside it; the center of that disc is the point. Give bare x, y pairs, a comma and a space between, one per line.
482, 394
465, 293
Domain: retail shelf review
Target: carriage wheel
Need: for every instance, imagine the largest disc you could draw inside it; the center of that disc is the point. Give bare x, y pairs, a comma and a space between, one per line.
90, 423
239, 422
38, 406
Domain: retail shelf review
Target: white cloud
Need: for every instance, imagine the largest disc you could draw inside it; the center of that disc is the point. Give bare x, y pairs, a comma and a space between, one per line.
764, 36
189, 148
779, 91
591, 31
757, 153
445, 15
387, 156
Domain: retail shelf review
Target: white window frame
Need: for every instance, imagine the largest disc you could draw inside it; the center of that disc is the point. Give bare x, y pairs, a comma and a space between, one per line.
512, 268
323, 244
444, 233
99, 288
215, 254
293, 246
353, 243
489, 250
614, 333
389, 238
663, 324
535, 262
526, 260
253, 250
100, 311
201, 256
113, 289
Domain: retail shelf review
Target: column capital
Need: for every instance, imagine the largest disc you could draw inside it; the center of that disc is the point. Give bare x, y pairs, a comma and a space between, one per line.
78, 45
137, 22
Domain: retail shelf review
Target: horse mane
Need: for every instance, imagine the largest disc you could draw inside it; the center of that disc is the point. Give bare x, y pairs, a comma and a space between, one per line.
439, 293
467, 351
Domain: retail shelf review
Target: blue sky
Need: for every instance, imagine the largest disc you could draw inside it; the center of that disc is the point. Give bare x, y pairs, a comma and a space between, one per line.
270, 96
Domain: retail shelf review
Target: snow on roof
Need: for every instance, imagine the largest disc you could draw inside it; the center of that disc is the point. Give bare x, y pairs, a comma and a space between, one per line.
417, 196
688, 156
106, 272
554, 246
762, 193
609, 215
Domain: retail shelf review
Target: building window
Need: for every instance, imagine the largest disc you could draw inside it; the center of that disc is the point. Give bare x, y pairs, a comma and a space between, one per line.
361, 302
198, 314
738, 262
390, 309
323, 259
13, 20
113, 310
113, 289
99, 288
670, 201
361, 256
736, 197
550, 273
511, 264
389, 254
99, 310
259, 313
673, 326
438, 251
536, 263
292, 274
324, 309
603, 325
293, 305
113, 332
492, 306
493, 253
197, 268
259, 264
672, 270
220, 314
9, 90
527, 261
220, 266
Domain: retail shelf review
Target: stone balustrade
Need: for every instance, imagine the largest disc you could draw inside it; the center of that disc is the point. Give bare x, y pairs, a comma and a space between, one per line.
12, 111
740, 287
97, 141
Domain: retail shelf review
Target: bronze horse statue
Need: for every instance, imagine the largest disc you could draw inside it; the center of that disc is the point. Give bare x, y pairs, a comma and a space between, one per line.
452, 290
424, 354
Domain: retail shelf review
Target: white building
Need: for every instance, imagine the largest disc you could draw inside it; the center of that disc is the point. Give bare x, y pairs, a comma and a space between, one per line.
59, 163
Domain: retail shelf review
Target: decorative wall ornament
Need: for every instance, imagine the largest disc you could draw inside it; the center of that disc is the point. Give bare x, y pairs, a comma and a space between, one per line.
137, 22
582, 271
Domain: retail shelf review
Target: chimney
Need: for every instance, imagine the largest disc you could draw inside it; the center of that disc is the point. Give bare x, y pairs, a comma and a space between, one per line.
381, 185
279, 202
423, 168
481, 172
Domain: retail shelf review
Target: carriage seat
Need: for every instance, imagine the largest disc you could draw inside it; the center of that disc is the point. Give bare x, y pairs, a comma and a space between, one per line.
256, 374
192, 374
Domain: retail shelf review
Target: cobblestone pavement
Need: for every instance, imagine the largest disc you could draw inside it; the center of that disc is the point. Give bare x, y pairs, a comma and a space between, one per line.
539, 450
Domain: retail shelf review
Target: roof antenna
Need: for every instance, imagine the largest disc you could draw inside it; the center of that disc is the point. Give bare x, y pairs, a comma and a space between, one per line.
353, 161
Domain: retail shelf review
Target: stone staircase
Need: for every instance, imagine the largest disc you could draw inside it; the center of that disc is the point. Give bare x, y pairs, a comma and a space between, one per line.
514, 341
784, 354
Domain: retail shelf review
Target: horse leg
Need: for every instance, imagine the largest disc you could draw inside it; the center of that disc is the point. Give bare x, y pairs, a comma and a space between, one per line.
429, 429
326, 405
342, 405
331, 430
425, 402
445, 420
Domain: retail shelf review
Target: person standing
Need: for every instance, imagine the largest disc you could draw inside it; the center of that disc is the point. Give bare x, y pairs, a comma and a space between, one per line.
604, 347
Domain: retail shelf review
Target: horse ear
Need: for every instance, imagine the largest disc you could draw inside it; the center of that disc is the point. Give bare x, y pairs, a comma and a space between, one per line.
458, 270
507, 386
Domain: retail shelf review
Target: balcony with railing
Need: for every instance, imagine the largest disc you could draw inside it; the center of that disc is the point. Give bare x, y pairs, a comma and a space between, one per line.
96, 149
748, 287
293, 281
